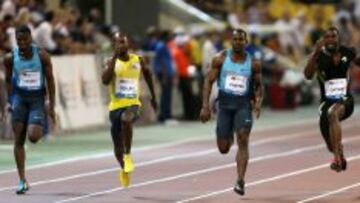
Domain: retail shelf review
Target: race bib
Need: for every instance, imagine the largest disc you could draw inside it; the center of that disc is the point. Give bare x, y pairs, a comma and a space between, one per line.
336, 88
126, 88
30, 79
236, 84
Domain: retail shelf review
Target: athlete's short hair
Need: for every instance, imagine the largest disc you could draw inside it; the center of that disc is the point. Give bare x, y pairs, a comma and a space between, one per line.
240, 31
22, 29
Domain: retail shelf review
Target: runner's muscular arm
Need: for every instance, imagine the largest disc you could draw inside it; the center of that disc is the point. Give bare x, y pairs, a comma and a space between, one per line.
8, 62
8, 65
311, 65
211, 77
258, 87
46, 62
149, 81
357, 59
2, 96
108, 73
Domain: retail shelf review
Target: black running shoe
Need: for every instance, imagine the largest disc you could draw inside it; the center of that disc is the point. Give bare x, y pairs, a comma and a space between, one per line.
343, 164
336, 166
239, 187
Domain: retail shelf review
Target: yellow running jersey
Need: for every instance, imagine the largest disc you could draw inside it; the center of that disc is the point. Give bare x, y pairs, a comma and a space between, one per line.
124, 88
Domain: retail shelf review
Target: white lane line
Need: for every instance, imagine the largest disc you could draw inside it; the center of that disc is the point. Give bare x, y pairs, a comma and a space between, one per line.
9, 147
98, 172
267, 180
6, 147
170, 144
207, 170
343, 189
164, 159
102, 155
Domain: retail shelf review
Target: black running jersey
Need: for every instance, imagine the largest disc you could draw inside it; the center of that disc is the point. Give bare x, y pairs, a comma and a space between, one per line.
328, 70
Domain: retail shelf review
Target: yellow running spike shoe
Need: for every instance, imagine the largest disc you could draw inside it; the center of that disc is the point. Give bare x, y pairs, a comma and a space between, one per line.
124, 178
128, 164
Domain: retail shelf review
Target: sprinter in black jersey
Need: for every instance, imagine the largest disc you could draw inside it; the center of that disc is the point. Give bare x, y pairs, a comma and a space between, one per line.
331, 62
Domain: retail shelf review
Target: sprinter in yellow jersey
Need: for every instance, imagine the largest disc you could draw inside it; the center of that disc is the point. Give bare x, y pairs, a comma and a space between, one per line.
122, 76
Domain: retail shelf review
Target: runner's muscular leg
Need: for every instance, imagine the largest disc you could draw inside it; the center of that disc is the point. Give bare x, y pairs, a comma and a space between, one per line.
242, 155
335, 112
224, 144
324, 129
118, 142
35, 132
19, 151
324, 125
127, 120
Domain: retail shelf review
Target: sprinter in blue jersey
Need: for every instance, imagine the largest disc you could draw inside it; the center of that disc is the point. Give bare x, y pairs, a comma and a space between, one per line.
239, 81
29, 78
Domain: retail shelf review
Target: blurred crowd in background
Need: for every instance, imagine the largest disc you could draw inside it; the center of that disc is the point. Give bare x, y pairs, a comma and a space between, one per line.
62, 31
281, 34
